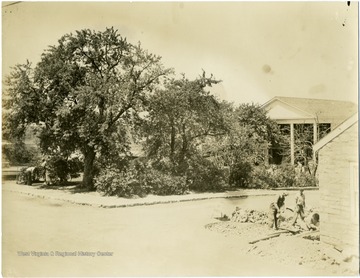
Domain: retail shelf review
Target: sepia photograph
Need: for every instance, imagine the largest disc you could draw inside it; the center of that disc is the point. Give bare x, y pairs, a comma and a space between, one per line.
177, 139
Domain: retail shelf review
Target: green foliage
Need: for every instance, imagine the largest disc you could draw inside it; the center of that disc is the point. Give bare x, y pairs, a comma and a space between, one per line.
306, 180
60, 170
243, 148
165, 184
275, 177
139, 179
113, 182
181, 115
265, 129
204, 175
303, 146
263, 178
240, 151
84, 95
283, 176
20, 154
95, 93
240, 175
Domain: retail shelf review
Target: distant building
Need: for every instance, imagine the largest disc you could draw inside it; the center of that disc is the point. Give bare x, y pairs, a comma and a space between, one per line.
316, 116
339, 186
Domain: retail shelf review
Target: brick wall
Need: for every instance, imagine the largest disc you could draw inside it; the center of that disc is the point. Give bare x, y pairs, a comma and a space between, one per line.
337, 161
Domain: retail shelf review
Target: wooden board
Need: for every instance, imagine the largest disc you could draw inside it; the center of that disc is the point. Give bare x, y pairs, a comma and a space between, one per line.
276, 234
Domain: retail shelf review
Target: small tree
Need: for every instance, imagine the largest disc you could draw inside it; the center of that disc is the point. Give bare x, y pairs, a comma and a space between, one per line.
244, 146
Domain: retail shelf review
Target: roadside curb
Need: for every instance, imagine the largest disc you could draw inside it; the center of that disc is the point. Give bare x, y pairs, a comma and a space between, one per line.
97, 200
115, 202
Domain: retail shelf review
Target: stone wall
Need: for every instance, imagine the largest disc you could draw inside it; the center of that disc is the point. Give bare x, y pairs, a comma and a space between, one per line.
337, 171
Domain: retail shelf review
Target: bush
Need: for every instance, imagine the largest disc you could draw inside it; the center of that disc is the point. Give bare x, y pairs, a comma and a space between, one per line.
165, 184
283, 176
306, 180
113, 182
139, 179
21, 154
60, 170
204, 175
263, 178
201, 173
240, 174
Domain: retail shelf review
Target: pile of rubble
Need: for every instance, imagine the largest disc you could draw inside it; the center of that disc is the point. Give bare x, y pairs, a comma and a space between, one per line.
241, 215
249, 216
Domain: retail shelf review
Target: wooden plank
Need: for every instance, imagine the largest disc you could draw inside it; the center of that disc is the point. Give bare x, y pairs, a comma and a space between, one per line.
307, 233
269, 236
291, 230
279, 232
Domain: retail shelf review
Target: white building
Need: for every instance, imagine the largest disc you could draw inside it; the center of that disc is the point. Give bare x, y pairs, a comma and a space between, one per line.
317, 115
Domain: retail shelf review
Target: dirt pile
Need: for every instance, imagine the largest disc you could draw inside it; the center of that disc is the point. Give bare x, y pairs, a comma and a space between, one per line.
245, 230
249, 216
285, 218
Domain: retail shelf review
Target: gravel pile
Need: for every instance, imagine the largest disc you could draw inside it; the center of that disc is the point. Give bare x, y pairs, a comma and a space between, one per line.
249, 216
245, 230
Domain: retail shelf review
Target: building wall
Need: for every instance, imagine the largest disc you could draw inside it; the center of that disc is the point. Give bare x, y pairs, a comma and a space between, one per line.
338, 180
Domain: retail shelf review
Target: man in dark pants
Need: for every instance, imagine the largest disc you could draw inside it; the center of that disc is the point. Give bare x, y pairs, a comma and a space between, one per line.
275, 207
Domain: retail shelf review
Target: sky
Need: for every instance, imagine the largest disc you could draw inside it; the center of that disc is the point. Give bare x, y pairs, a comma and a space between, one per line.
258, 49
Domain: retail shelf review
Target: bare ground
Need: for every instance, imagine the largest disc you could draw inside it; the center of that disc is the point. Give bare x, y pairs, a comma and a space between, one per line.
168, 240
287, 249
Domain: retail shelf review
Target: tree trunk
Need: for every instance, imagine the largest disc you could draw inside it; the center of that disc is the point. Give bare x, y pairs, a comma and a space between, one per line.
184, 144
172, 142
88, 178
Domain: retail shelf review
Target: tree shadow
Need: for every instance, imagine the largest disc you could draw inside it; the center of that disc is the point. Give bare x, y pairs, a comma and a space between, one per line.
72, 187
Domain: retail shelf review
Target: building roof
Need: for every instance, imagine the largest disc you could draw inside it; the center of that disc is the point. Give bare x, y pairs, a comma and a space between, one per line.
336, 132
324, 110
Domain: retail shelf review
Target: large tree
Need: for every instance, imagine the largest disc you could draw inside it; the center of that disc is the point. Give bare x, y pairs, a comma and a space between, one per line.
254, 116
181, 116
83, 94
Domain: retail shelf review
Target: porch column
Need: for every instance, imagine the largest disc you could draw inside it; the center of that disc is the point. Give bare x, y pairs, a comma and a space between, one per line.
292, 148
315, 139
315, 133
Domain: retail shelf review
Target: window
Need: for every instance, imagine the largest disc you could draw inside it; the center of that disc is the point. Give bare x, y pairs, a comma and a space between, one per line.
323, 130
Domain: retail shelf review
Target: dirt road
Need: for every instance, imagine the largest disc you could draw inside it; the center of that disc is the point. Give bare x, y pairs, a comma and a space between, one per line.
157, 240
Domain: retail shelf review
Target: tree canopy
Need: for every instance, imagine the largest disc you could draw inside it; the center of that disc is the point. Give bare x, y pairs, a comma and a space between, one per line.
83, 94
93, 93
181, 115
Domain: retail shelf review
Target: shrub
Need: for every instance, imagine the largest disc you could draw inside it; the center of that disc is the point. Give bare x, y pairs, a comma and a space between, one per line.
284, 176
61, 169
240, 174
21, 154
113, 182
306, 180
165, 184
139, 179
262, 178
204, 175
